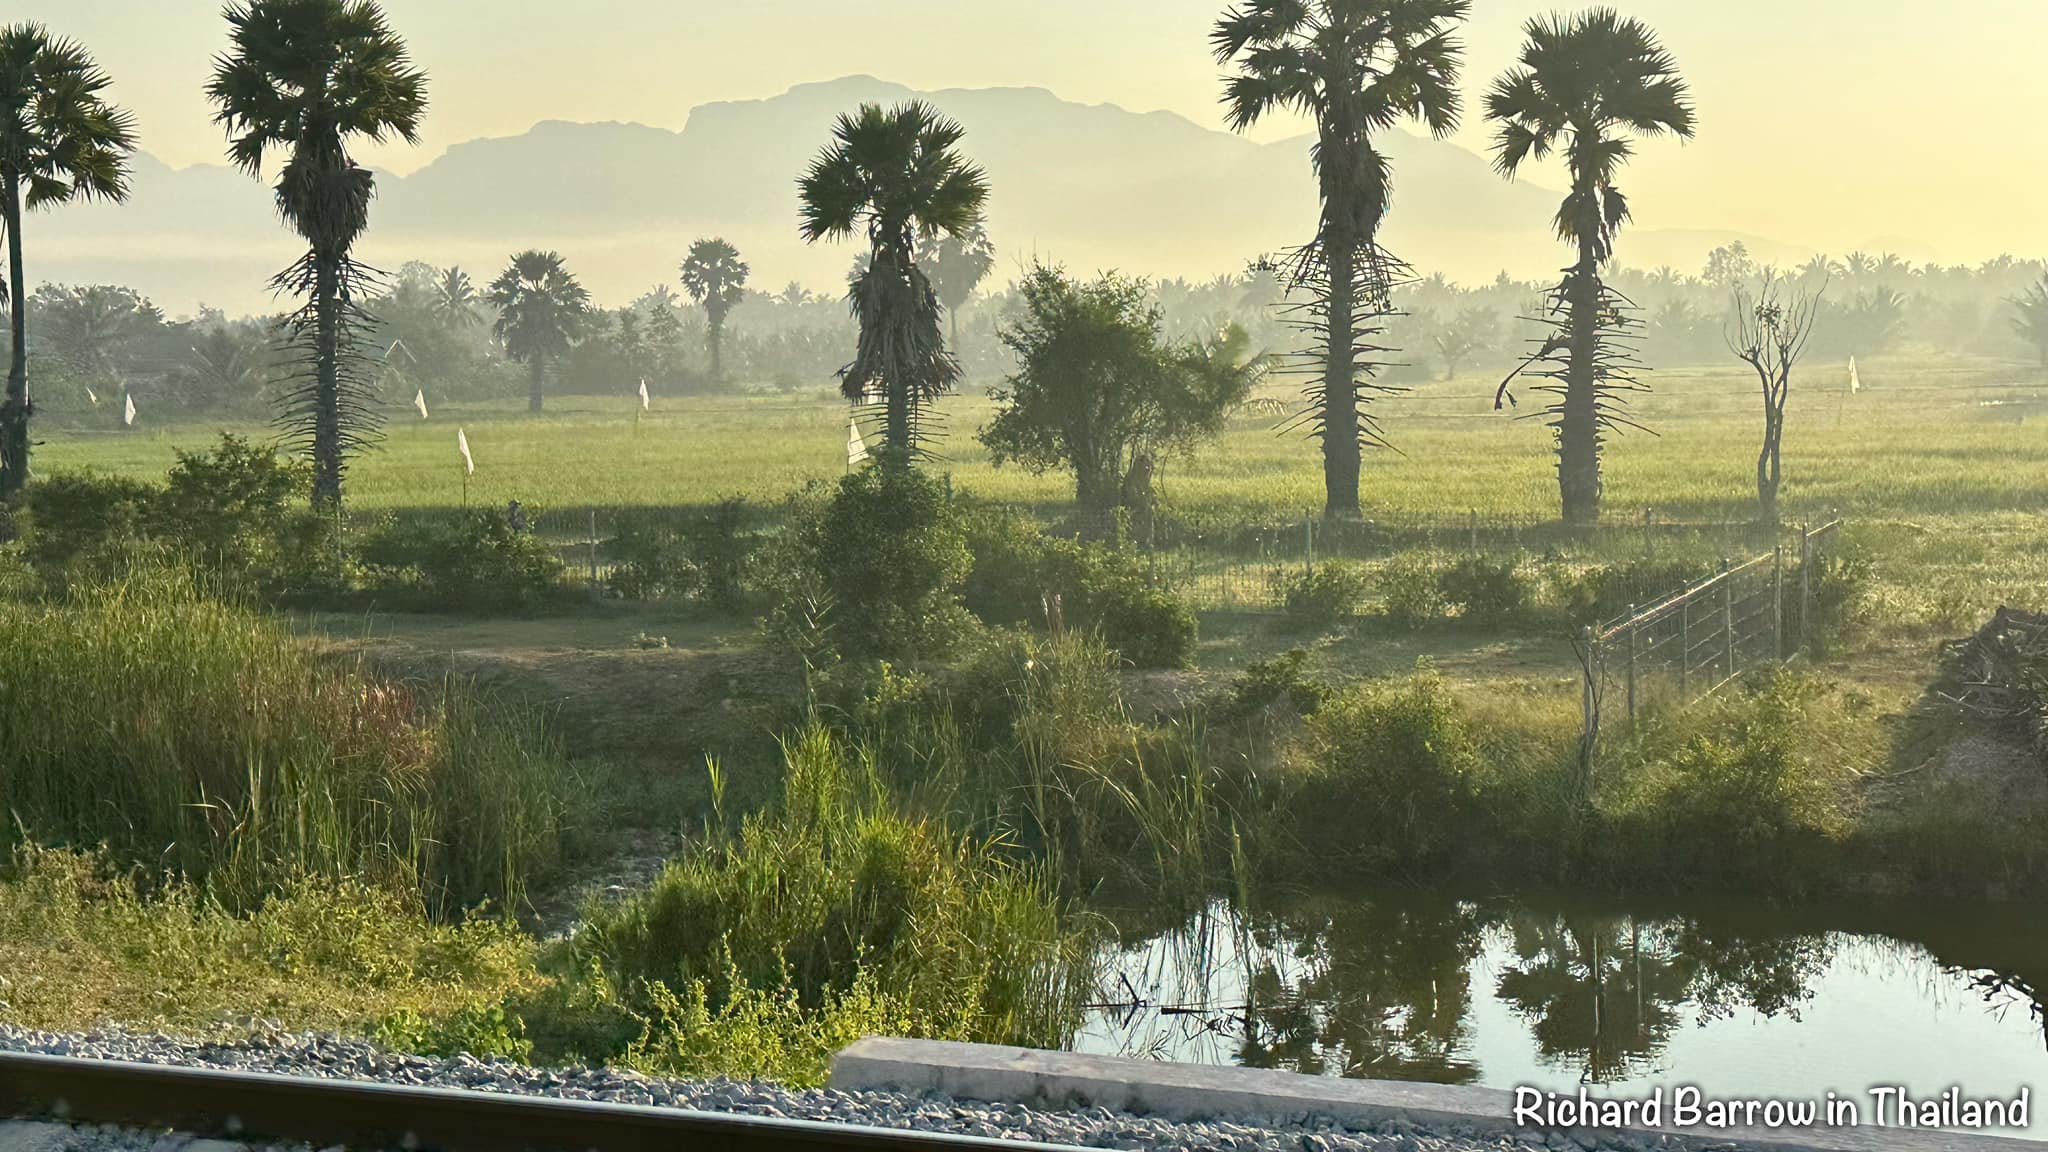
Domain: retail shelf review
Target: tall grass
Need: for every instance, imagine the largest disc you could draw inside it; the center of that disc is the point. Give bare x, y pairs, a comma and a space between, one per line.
837, 900
195, 737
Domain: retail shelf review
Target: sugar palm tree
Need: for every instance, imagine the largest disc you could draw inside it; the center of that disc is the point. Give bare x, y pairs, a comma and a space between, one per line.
715, 277
956, 266
60, 140
304, 77
541, 308
896, 175
455, 300
1585, 84
1357, 67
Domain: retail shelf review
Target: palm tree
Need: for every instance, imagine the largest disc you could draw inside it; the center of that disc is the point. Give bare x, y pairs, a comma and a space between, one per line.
1357, 67
59, 141
956, 266
305, 76
716, 277
2032, 320
1586, 82
455, 301
897, 174
541, 309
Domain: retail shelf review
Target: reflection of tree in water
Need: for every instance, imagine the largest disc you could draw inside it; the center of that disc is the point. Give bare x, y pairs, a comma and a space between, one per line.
1606, 994
1383, 992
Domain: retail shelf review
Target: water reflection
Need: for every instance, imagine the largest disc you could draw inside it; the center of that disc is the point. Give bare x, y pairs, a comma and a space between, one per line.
1451, 991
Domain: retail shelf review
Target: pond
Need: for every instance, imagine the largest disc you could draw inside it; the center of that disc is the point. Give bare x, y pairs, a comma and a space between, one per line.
1741, 1001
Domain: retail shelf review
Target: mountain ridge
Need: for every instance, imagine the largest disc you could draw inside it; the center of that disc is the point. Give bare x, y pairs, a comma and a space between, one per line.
1090, 185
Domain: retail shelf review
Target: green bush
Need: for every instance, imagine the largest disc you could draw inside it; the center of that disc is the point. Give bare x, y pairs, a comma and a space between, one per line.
649, 559
1603, 592
1388, 781
1411, 594
83, 519
1484, 591
1276, 680
1021, 575
721, 541
1327, 593
888, 552
479, 562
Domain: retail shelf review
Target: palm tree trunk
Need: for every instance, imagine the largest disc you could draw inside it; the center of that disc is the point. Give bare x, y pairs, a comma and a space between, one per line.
327, 383
1340, 383
717, 341
896, 421
14, 409
1578, 430
536, 376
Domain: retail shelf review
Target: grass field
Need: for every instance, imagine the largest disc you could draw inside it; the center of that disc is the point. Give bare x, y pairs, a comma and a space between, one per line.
1926, 437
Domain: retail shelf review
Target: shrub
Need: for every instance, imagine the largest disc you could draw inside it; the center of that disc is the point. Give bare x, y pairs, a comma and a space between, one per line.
649, 559
1485, 592
78, 518
479, 562
1278, 679
1410, 592
890, 554
1019, 572
1327, 593
720, 542
1603, 592
1389, 775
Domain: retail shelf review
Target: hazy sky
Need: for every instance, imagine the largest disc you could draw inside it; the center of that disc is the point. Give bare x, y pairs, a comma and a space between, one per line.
1912, 124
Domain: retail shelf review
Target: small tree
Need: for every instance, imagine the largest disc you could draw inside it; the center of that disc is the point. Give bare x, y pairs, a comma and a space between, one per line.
1768, 332
2032, 320
715, 276
1097, 392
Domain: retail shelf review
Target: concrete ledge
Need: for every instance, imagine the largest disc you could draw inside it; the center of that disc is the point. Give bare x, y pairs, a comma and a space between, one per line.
1072, 1081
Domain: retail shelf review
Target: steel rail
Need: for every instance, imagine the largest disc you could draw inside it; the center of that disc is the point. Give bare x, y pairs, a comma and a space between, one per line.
370, 1116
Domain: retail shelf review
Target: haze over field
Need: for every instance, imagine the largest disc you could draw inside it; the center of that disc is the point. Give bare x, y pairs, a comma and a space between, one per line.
614, 140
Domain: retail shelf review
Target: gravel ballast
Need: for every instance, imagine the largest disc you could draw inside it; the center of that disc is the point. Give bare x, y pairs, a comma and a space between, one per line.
336, 1057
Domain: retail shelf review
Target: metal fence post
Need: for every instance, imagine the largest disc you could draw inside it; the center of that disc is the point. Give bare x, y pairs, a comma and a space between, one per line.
1685, 650
1805, 590
1728, 618
1632, 664
1778, 603
593, 552
1475, 531
1649, 537
1308, 536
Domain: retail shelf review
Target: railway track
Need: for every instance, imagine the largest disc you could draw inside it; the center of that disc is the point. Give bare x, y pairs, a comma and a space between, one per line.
364, 1116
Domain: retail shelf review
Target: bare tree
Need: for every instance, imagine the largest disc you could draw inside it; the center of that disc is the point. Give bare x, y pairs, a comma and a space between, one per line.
1768, 331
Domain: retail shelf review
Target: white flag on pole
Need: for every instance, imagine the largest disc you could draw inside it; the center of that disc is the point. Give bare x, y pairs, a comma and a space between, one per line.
462, 443
643, 395
93, 396
1855, 383
856, 448
419, 401
128, 410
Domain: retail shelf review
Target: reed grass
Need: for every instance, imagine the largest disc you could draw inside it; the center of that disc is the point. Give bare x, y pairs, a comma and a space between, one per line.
194, 737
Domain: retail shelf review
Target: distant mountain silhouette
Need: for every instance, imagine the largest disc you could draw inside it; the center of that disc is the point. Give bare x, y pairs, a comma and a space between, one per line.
1091, 186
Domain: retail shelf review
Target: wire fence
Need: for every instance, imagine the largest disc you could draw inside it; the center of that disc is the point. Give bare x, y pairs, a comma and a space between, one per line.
1246, 567
1693, 642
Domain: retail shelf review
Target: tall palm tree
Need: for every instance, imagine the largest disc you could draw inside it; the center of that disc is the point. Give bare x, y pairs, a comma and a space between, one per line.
541, 308
304, 77
956, 266
1585, 84
716, 277
1357, 67
455, 300
898, 175
59, 141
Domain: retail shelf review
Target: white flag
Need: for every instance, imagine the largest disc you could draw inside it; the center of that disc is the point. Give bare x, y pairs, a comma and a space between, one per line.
128, 410
462, 442
93, 396
856, 448
1855, 384
643, 395
419, 401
